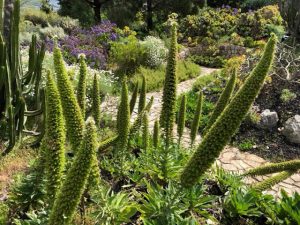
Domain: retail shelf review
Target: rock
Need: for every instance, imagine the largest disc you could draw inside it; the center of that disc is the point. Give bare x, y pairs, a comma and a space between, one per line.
268, 119
292, 129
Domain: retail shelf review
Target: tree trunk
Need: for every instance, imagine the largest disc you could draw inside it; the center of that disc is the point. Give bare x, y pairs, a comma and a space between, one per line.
149, 15
97, 11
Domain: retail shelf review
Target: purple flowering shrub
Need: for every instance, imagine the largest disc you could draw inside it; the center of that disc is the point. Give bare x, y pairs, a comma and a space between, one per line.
94, 42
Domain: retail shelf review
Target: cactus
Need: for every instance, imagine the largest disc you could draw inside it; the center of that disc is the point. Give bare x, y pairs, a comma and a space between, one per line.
96, 101
134, 97
223, 101
142, 100
81, 89
167, 116
181, 117
274, 168
271, 181
196, 120
68, 198
71, 109
229, 121
14, 85
145, 132
156, 134
54, 141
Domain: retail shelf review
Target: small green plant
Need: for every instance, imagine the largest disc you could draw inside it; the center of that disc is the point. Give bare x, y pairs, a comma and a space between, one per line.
246, 145
287, 95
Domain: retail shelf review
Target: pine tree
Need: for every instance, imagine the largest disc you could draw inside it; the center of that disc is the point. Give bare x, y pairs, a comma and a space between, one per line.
196, 120
134, 97
71, 110
53, 145
229, 121
142, 100
81, 88
167, 117
156, 134
96, 101
223, 101
69, 196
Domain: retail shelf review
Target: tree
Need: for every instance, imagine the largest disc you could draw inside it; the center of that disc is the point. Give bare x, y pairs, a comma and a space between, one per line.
97, 6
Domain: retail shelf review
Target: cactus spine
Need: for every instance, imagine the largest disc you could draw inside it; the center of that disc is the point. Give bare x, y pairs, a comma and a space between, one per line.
142, 100
196, 120
181, 117
223, 100
167, 116
54, 140
229, 121
68, 198
156, 134
134, 97
96, 101
71, 109
81, 89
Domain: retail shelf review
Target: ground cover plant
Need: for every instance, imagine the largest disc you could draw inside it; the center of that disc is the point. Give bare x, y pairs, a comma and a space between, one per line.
74, 152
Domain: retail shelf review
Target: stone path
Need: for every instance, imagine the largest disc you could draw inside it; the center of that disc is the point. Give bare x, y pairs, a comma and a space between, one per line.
231, 159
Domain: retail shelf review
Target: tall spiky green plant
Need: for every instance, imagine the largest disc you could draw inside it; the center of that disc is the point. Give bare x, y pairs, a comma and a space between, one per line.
274, 168
142, 100
72, 113
229, 121
53, 144
81, 88
271, 181
96, 101
181, 117
223, 101
68, 198
1, 15
167, 117
124, 119
145, 132
196, 120
134, 97
156, 134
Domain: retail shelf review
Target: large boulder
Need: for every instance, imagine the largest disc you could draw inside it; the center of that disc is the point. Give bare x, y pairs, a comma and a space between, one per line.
268, 119
291, 129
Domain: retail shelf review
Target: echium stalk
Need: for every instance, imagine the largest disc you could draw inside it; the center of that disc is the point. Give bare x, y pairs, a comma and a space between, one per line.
223, 100
142, 100
81, 88
196, 120
229, 121
53, 145
69, 196
181, 117
145, 132
156, 134
167, 117
72, 112
96, 101
134, 97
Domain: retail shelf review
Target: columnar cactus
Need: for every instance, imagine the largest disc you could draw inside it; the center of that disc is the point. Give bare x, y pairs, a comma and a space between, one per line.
274, 168
134, 97
156, 134
271, 181
181, 117
229, 121
167, 117
68, 198
81, 89
71, 109
96, 101
223, 101
53, 145
196, 120
142, 100
145, 132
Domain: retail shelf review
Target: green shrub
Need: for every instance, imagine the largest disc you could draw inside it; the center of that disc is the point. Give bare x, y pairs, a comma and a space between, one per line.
209, 61
155, 77
257, 4
287, 95
4, 209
